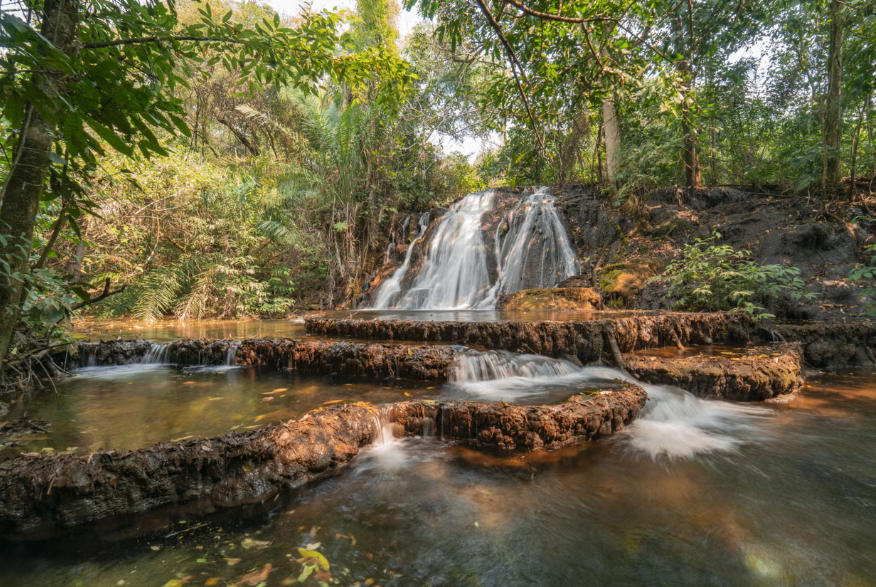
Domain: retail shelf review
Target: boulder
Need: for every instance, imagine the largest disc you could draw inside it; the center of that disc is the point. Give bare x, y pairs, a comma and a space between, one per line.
556, 298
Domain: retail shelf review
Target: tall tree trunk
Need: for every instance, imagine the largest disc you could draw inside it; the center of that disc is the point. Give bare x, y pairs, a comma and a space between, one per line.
31, 164
832, 133
611, 124
612, 142
692, 174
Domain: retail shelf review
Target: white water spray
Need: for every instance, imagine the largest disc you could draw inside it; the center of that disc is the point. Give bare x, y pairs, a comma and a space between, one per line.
674, 423
532, 250
388, 291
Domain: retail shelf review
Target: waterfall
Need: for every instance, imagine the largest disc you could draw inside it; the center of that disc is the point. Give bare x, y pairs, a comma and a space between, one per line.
474, 366
535, 251
157, 353
460, 271
231, 354
388, 291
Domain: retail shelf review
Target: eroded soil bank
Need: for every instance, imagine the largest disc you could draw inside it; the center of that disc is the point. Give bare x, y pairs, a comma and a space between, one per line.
759, 375
41, 495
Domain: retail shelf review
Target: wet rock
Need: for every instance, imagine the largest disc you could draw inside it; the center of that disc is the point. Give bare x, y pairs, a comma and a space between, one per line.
556, 298
428, 363
42, 495
113, 352
586, 416
758, 375
831, 345
589, 341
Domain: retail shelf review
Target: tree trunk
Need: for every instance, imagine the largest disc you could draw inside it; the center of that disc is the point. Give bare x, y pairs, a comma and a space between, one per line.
612, 134
612, 142
31, 163
692, 177
832, 133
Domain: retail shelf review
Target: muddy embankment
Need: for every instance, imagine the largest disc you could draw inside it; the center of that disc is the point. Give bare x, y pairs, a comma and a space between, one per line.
758, 375
42, 495
421, 362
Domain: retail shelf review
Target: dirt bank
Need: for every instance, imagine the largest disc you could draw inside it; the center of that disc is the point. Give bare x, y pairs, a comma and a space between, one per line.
758, 375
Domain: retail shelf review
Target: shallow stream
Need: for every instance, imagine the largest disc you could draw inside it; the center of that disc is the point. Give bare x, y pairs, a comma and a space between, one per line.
693, 493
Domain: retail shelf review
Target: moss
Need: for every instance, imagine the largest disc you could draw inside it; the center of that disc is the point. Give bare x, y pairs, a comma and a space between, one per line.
622, 281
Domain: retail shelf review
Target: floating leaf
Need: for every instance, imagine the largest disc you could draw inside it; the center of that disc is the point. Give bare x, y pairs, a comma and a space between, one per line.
318, 557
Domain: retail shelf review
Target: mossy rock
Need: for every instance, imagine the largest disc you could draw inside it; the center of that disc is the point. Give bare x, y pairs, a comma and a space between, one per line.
621, 282
551, 298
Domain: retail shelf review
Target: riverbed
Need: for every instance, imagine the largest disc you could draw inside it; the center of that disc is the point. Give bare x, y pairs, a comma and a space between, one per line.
694, 493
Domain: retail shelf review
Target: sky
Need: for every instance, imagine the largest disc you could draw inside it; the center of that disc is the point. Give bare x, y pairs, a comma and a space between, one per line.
470, 147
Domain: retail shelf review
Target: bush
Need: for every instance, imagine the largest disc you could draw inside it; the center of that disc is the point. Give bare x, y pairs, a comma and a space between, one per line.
712, 277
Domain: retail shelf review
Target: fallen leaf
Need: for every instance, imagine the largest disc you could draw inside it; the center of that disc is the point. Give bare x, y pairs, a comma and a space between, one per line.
232, 561
256, 577
212, 581
334, 401
314, 557
188, 382
267, 399
248, 543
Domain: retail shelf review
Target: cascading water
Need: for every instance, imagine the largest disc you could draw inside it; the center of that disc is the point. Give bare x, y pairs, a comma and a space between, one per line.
157, 354
535, 251
231, 354
388, 291
674, 422
461, 272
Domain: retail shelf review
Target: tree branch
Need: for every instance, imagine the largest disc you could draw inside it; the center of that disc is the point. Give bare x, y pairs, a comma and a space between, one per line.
557, 17
106, 293
143, 40
512, 56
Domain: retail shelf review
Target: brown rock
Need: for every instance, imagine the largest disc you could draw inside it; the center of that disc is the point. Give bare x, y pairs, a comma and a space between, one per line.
557, 298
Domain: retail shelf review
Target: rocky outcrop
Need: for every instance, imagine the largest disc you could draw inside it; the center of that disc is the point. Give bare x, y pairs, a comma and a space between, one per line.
831, 345
428, 363
551, 298
586, 416
758, 375
592, 341
113, 352
43, 494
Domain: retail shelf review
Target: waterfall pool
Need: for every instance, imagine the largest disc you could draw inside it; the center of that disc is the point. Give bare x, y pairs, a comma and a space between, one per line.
694, 492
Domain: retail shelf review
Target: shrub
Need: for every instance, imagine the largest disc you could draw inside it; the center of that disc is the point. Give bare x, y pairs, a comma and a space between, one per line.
713, 277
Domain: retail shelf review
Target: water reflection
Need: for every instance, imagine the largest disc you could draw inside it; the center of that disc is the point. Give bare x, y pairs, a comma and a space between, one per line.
793, 505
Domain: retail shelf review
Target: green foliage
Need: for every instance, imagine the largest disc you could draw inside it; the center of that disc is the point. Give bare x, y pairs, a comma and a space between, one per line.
712, 277
867, 274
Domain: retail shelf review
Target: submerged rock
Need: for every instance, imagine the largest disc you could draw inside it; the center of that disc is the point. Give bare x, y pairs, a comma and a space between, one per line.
547, 298
759, 375
42, 495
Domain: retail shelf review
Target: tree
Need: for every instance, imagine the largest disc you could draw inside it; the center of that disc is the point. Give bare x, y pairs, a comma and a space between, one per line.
74, 83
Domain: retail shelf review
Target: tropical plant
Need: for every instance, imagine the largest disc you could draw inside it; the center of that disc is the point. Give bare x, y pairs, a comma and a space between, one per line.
714, 277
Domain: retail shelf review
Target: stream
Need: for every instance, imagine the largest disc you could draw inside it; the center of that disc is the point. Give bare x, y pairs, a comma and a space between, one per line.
693, 493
